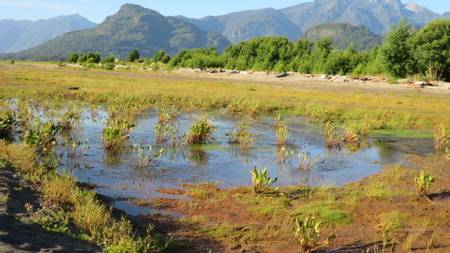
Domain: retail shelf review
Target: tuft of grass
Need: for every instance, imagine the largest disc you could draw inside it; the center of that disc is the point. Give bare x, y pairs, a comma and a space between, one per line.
200, 132
242, 136
423, 182
282, 131
378, 190
324, 211
116, 132
440, 137
261, 181
333, 138
392, 228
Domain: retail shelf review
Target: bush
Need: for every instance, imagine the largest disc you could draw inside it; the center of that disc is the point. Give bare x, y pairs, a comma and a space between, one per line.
133, 55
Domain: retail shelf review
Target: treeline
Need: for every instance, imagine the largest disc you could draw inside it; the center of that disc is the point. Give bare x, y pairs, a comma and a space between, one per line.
405, 52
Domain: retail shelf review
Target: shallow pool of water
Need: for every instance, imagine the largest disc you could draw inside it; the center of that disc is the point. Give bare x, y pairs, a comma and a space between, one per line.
117, 176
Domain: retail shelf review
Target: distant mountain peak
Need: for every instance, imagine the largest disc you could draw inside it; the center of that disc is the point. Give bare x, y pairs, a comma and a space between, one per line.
414, 7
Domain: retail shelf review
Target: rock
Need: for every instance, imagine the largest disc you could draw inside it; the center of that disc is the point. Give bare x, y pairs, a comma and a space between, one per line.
284, 74
234, 72
309, 76
403, 81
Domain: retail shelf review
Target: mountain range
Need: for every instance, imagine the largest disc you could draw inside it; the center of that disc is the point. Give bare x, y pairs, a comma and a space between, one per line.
361, 23
19, 35
132, 27
377, 15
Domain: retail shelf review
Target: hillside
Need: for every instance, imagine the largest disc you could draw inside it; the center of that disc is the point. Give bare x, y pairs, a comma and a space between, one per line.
344, 35
133, 27
20, 35
377, 15
241, 26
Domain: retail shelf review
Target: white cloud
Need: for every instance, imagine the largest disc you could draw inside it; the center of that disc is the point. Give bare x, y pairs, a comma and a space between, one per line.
43, 4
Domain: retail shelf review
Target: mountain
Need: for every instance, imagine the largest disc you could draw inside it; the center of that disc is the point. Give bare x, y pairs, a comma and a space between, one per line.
132, 27
446, 15
20, 35
377, 15
245, 25
344, 35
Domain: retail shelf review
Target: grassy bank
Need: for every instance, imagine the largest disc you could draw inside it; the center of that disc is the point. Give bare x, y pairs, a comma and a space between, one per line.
70, 209
136, 90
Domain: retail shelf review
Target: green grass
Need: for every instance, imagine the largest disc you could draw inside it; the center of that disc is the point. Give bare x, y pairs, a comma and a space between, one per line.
326, 212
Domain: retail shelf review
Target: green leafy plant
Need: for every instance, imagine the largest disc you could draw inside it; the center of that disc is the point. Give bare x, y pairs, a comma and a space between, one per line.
242, 136
423, 182
308, 233
116, 132
42, 135
200, 131
261, 181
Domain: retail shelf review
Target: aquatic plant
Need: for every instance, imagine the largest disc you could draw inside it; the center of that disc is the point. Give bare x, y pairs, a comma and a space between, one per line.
308, 232
242, 136
166, 126
261, 181
76, 148
440, 137
7, 123
423, 182
200, 131
146, 157
333, 138
282, 131
42, 134
306, 161
116, 132
69, 119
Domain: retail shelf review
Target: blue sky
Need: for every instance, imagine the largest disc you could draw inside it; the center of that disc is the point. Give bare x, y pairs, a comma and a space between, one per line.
97, 10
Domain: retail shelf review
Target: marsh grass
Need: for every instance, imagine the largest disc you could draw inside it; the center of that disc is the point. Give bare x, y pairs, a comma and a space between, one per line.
200, 131
392, 228
307, 162
116, 132
242, 136
440, 137
8, 122
333, 137
146, 157
282, 131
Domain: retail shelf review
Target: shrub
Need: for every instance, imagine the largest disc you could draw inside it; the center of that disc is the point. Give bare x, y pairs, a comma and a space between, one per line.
133, 55
200, 132
261, 181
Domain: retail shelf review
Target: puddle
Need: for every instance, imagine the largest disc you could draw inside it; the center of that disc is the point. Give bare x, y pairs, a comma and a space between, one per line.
118, 177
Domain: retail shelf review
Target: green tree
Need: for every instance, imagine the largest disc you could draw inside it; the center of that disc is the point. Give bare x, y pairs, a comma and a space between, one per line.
161, 56
397, 51
432, 50
73, 58
133, 55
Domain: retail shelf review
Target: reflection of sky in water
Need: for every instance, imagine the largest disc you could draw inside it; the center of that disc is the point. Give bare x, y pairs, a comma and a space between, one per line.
116, 175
